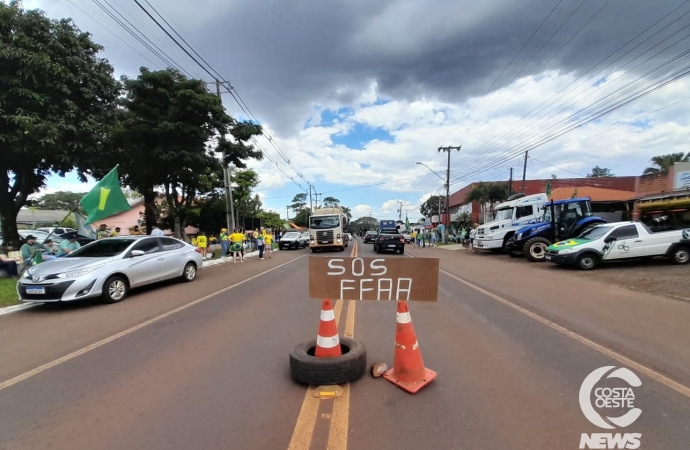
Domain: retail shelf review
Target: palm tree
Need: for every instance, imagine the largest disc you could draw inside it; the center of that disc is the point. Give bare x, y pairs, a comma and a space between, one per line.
660, 164
479, 194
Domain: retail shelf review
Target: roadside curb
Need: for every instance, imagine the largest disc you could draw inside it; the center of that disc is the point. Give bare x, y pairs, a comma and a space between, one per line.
19, 307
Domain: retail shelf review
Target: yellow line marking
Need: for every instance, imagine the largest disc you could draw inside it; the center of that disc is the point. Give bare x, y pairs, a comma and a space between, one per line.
88, 348
337, 436
684, 390
306, 422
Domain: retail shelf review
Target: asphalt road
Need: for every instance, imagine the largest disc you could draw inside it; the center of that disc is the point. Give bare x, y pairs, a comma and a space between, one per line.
205, 365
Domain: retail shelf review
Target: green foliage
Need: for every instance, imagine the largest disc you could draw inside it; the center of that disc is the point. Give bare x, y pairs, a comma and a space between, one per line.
60, 201
600, 172
363, 224
433, 205
463, 220
348, 212
56, 104
299, 202
69, 222
246, 205
271, 220
302, 217
487, 193
662, 163
330, 202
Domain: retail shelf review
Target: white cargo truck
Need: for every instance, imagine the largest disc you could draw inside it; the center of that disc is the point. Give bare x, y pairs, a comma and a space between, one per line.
516, 212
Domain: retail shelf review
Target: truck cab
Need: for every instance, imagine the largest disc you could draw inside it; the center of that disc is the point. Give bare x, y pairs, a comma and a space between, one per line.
516, 212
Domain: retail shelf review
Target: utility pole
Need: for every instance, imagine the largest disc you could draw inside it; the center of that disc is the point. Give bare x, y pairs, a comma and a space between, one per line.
311, 205
510, 183
287, 212
447, 221
316, 203
524, 171
227, 179
400, 210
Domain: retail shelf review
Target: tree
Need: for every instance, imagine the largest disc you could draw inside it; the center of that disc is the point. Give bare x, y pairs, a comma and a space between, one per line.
479, 194
302, 217
299, 202
363, 224
271, 220
330, 202
56, 104
348, 212
60, 200
246, 204
168, 131
433, 205
661, 164
600, 172
497, 193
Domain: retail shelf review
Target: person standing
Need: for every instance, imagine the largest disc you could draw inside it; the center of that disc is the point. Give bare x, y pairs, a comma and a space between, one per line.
268, 241
472, 234
260, 243
202, 242
102, 232
155, 231
224, 241
433, 239
237, 246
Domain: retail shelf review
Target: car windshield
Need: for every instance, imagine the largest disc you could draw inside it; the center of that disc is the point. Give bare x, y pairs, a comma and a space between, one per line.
102, 249
291, 235
595, 233
504, 214
324, 222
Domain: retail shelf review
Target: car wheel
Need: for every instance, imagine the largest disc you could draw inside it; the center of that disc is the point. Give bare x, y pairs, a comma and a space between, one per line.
189, 272
587, 262
308, 369
681, 255
535, 249
115, 289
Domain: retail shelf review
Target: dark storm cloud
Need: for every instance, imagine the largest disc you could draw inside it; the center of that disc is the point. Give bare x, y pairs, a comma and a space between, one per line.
283, 56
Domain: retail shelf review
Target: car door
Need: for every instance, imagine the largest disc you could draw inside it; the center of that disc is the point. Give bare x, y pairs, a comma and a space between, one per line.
174, 258
628, 243
148, 267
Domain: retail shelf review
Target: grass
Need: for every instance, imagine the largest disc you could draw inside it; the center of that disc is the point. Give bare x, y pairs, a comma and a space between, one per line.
8, 292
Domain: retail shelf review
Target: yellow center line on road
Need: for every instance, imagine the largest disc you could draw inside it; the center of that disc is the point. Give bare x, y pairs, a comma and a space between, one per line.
306, 422
88, 348
681, 389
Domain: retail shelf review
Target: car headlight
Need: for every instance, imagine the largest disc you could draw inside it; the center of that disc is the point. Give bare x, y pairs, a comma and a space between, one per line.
566, 251
518, 236
78, 272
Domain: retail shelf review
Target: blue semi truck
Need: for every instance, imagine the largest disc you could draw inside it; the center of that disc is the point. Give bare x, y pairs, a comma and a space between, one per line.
562, 219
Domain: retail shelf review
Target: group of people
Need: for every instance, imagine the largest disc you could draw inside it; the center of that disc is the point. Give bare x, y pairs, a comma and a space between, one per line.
234, 244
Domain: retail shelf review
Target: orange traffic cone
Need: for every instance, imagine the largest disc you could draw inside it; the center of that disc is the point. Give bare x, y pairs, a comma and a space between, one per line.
408, 370
327, 342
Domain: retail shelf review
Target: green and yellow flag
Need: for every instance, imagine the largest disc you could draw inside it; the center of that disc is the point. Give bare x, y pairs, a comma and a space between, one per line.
548, 189
105, 199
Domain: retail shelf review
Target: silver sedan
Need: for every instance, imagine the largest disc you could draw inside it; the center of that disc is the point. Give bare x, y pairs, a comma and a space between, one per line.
109, 268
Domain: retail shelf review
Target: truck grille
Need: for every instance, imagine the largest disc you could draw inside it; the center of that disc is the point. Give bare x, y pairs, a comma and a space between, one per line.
324, 237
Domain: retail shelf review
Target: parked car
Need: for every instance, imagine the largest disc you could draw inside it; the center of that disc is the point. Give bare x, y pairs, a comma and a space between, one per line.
370, 237
40, 237
56, 230
291, 240
305, 239
408, 238
618, 241
109, 268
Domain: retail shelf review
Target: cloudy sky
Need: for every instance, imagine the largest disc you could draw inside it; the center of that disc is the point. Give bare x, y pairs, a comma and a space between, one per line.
355, 93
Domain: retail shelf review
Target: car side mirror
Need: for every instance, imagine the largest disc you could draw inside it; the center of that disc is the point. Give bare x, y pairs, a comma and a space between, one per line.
609, 239
136, 253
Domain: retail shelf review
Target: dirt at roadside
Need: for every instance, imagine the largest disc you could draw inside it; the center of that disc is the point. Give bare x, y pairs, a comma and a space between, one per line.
655, 277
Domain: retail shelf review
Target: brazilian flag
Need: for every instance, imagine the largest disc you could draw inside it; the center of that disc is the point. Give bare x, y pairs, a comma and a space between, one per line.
38, 257
105, 199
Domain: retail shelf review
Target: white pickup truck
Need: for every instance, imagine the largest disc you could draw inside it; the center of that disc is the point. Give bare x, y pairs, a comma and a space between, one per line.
620, 240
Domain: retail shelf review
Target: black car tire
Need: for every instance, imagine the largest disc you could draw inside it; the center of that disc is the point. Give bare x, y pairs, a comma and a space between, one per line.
189, 272
308, 369
114, 284
587, 261
313, 250
531, 246
681, 255
514, 253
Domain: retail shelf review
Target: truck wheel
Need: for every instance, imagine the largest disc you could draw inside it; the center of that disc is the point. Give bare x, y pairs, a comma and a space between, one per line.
588, 261
535, 249
681, 255
308, 369
313, 250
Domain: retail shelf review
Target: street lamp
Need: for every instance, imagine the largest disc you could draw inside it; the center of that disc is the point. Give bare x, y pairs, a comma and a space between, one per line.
444, 185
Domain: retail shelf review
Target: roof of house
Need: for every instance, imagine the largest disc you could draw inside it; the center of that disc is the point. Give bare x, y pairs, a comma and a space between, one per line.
595, 193
43, 216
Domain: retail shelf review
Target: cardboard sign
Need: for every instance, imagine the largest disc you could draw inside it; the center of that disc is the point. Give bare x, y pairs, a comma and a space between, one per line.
411, 279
